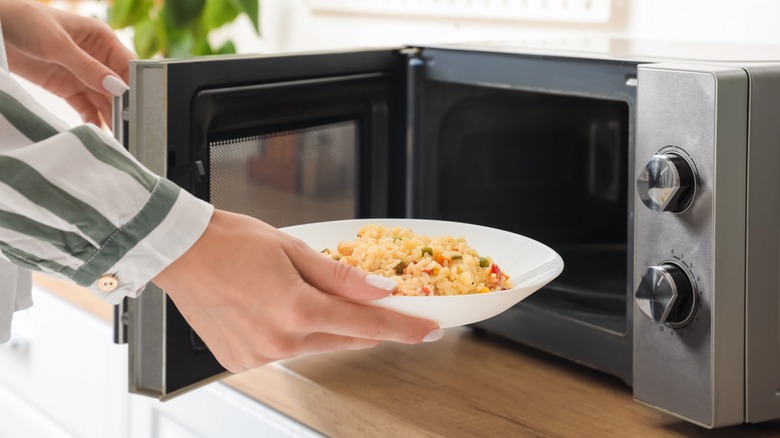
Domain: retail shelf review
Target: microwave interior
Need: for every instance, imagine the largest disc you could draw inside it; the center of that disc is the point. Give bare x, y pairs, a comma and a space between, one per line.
551, 167
547, 161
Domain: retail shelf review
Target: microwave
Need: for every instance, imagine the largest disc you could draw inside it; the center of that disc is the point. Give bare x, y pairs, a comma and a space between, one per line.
652, 169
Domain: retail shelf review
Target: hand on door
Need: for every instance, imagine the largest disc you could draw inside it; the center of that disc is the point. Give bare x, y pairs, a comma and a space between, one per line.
77, 58
256, 295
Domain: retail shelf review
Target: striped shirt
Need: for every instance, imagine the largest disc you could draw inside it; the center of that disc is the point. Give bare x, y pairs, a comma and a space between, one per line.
76, 205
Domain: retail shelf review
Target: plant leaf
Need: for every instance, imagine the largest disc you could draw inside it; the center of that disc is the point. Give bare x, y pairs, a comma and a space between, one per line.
180, 43
123, 13
252, 9
182, 13
202, 47
227, 49
217, 13
179, 27
144, 39
161, 29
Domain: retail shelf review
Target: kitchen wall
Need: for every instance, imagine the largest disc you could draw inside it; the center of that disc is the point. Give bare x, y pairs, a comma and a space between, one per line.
302, 25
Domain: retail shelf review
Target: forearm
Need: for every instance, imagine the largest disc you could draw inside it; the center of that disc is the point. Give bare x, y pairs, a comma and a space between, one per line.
73, 202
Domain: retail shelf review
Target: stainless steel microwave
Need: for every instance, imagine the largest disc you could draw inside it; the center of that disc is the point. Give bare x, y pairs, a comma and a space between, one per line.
653, 169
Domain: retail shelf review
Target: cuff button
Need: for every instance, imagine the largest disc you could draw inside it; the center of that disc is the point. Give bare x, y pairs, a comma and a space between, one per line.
107, 283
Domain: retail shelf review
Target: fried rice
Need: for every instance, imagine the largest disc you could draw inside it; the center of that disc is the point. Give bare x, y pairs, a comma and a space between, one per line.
442, 265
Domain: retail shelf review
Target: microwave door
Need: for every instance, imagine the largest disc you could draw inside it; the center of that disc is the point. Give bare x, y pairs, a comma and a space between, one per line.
287, 139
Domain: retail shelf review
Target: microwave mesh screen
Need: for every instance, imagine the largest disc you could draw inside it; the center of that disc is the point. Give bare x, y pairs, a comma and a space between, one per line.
288, 177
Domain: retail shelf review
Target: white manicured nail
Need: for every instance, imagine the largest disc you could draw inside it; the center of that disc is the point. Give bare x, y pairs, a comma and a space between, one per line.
114, 85
380, 282
434, 335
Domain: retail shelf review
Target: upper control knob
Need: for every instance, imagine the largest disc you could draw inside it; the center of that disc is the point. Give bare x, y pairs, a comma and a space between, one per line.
667, 183
666, 294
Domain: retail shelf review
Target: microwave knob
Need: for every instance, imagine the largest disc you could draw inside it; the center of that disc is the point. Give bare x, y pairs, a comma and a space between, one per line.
667, 295
667, 183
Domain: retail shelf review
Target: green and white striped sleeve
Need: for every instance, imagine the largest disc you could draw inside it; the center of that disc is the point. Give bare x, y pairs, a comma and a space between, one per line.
75, 204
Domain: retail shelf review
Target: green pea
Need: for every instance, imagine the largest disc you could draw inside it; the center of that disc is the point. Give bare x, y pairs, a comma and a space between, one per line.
427, 250
483, 262
399, 268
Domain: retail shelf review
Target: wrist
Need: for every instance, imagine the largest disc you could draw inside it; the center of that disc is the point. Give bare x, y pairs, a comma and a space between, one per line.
191, 261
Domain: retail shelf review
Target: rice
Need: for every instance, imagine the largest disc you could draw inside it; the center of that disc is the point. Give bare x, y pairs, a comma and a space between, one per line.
443, 265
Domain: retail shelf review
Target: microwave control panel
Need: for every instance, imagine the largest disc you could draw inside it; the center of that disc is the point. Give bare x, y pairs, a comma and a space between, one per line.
667, 292
690, 165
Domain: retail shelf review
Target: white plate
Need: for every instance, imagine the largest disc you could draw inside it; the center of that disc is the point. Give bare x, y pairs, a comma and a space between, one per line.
530, 264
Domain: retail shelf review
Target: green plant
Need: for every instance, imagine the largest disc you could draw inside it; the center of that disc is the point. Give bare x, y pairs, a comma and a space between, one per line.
176, 28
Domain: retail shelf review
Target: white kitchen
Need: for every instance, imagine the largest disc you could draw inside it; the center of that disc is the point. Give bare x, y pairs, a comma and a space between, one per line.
663, 321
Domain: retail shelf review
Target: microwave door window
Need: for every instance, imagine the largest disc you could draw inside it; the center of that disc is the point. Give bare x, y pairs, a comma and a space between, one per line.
283, 178
287, 178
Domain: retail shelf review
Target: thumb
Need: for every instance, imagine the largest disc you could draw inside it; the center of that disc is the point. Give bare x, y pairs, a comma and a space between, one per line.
338, 278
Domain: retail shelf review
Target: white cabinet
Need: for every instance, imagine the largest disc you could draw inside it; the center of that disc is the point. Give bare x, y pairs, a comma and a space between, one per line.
64, 371
21, 419
62, 376
215, 410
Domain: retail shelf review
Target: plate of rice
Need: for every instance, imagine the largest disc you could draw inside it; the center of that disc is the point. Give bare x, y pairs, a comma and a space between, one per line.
448, 272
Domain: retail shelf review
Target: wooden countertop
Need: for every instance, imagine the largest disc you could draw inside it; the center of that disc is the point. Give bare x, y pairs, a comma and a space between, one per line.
465, 385
462, 386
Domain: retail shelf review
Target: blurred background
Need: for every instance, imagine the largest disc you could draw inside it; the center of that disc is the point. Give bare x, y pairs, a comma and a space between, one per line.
92, 384
306, 25
317, 24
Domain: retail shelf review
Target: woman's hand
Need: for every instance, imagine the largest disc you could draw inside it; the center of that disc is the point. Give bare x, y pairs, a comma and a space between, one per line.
77, 58
256, 295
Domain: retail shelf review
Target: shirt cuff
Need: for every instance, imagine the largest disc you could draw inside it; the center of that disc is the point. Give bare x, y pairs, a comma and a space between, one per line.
176, 233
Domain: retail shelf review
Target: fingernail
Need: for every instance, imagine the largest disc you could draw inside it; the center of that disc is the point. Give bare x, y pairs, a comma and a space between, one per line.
434, 335
114, 85
380, 282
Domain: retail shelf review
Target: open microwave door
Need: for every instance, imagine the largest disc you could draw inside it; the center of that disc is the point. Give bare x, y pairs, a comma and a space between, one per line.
287, 139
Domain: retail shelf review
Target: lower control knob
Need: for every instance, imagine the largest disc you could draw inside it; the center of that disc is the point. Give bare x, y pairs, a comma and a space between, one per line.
667, 295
